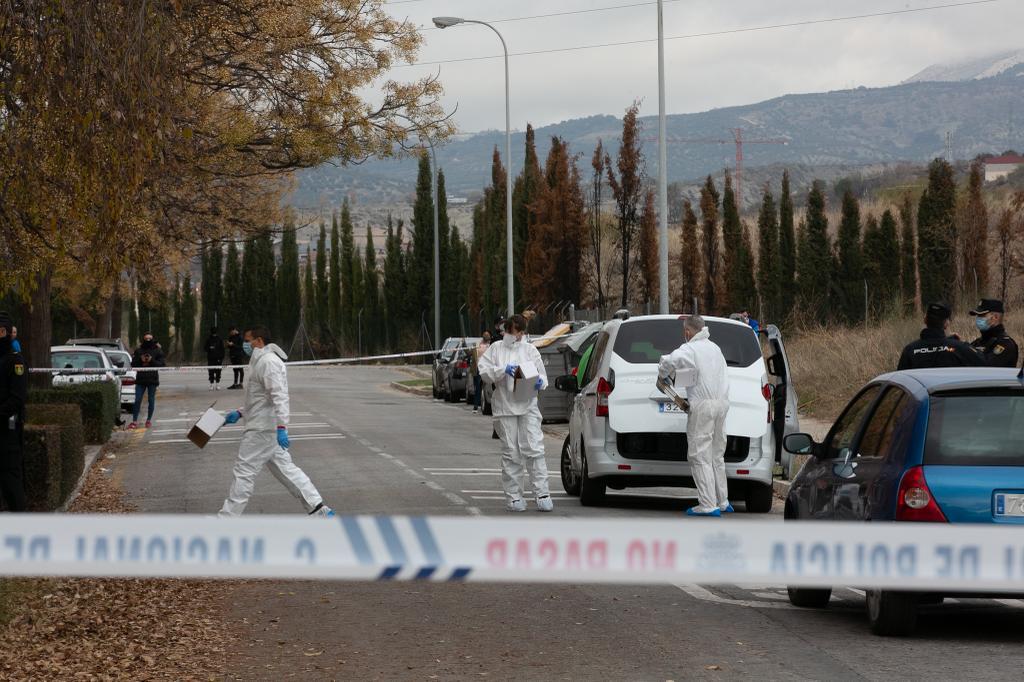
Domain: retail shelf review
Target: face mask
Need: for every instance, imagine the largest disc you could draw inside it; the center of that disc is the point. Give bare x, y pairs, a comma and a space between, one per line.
247, 347
981, 323
508, 340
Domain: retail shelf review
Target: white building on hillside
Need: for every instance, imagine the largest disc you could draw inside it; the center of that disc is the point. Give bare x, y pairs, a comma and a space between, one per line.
1000, 166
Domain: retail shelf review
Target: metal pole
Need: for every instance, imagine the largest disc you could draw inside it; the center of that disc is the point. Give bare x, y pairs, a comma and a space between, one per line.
508, 180
662, 174
437, 249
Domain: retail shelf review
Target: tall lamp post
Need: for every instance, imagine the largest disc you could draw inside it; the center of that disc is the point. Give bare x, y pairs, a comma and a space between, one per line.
662, 174
445, 22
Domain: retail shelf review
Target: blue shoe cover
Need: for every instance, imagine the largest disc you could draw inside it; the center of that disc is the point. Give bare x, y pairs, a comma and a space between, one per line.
728, 509
692, 511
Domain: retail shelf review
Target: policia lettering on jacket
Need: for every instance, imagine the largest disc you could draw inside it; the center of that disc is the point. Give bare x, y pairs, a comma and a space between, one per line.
13, 395
936, 348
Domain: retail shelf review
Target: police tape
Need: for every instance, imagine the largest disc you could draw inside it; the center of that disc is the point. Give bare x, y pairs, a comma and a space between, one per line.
514, 549
70, 371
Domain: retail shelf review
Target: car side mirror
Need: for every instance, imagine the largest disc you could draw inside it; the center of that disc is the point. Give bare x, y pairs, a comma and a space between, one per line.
801, 444
567, 383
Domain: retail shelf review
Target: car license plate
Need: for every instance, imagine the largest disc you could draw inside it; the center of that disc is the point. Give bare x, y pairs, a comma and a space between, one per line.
670, 407
1009, 504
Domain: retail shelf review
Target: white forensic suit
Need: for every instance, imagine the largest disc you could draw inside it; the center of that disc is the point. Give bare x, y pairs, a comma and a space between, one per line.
700, 365
266, 408
517, 417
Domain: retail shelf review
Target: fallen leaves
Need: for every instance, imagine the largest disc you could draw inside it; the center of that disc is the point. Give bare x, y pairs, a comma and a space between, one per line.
107, 629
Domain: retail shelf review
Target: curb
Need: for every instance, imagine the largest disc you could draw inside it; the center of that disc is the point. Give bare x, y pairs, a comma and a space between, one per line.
414, 390
781, 488
92, 453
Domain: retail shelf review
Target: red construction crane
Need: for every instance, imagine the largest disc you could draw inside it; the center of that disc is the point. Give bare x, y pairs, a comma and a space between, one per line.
739, 141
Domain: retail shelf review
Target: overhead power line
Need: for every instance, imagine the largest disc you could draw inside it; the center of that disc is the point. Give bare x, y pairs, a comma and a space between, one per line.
708, 34
566, 13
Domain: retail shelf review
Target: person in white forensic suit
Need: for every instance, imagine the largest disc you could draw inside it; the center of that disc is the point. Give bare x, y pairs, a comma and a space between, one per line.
701, 369
516, 414
265, 439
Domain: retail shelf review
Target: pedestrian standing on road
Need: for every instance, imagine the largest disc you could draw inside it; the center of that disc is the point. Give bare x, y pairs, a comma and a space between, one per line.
214, 358
516, 415
148, 356
936, 348
13, 396
265, 439
700, 368
997, 348
237, 357
478, 383
15, 344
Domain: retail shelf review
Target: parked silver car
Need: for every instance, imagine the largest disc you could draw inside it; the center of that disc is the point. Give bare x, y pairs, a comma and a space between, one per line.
122, 360
82, 357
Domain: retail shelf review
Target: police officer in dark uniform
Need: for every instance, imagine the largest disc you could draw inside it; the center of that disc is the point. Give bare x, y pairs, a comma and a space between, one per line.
936, 348
995, 345
13, 396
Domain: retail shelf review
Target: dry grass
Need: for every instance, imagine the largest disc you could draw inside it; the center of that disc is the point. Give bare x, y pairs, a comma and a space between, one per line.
831, 363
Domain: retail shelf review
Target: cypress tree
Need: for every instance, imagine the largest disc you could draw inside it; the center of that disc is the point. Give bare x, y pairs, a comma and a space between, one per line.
732, 234
873, 256
371, 295
347, 257
249, 308
712, 255
133, 319
745, 288
334, 313
525, 191
232, 285
689, 258
161, 319
449, 273
212, 294
815, 255
394, 286
889, 260
309, 294
421, 268
359, 303
321, 321
908, 255
265, 290
289, 294
974, 242
176, 316
787, 251
936, 232
850, 272
187, 322
768, 267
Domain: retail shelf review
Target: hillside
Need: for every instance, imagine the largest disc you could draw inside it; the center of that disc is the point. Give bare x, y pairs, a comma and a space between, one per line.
863, 126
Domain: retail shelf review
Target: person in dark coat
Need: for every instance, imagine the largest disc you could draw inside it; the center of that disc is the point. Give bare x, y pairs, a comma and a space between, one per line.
147, 356
214, 357
13, 396
996, 346
236, 355
936, 348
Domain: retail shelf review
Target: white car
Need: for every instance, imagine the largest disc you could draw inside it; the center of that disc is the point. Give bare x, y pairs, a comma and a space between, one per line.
82, 357
122, 361
623, 432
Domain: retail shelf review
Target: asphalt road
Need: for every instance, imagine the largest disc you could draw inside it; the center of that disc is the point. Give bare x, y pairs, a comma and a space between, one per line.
371, 449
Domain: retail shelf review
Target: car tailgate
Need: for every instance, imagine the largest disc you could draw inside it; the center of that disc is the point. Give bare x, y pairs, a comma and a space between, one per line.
966, 494
633, 403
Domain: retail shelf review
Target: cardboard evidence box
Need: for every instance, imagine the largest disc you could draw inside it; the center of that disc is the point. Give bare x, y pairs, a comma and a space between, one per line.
207, 426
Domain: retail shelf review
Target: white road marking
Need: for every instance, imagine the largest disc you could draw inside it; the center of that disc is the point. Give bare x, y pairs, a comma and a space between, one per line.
703, 594
221, 441
453, 498
386, 455
461, 469
463, 473
474, 511
501, 492
433, 485
1012, 603
228, 429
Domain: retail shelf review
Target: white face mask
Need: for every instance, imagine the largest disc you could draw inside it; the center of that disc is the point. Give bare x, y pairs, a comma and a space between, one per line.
508, 340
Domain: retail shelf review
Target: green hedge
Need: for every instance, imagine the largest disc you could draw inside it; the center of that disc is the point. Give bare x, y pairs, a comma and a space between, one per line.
42, 467
99, 401
72, 440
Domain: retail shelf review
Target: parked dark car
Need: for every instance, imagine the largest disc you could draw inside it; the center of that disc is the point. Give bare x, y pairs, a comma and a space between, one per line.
938, 446
454, 375
440, 360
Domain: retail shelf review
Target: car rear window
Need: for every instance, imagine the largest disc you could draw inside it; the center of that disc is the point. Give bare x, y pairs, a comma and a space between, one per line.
645, 341
976, 429
76, 360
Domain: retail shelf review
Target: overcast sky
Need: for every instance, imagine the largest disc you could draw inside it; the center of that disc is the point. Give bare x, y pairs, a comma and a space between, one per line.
701, 73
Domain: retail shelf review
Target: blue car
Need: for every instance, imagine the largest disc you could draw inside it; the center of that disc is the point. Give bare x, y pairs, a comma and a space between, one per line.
936, 446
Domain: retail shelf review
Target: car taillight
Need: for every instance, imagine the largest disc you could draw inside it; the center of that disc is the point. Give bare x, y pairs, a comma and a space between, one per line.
915, 501
604, 389
127, 381
766, 391
463, 365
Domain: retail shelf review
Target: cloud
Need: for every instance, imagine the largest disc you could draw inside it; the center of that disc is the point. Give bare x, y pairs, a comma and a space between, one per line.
701, 73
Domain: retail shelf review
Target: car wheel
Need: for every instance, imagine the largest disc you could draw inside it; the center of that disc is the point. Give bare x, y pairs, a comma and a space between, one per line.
570, 479
449, 395
759, 498
891, 614
809, 598
592, 490
433, 390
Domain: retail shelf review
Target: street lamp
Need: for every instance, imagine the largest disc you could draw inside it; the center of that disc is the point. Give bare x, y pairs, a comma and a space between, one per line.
446, 22
662, 174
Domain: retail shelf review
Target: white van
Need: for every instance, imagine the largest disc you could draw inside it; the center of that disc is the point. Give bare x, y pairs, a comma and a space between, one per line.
623, 432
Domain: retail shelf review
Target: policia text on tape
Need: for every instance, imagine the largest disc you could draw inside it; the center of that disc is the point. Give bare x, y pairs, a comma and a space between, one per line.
922, 556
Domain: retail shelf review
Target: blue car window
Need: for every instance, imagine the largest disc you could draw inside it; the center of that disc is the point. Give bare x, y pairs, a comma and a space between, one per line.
879, 431
976, 429
840, 438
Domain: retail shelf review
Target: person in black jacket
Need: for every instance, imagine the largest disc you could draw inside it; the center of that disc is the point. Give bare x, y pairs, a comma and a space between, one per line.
13, 396
214, 357
147, 355
995, 345
236, 354
936, 348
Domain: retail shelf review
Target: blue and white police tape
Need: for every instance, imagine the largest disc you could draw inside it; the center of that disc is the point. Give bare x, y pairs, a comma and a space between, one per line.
326, 362
596, 550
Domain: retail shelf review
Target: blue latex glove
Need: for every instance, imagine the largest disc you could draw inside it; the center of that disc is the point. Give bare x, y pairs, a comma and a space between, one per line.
282, 437
539, 385
511, 369
232, 417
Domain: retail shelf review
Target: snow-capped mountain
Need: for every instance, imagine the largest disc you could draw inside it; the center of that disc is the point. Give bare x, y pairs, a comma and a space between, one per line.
972, 69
